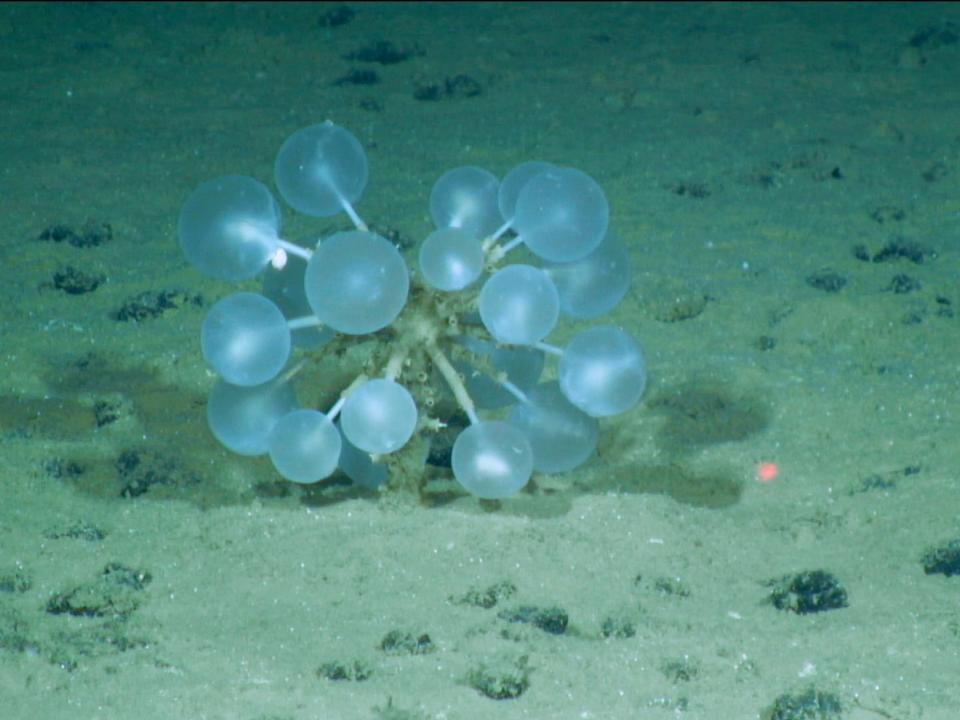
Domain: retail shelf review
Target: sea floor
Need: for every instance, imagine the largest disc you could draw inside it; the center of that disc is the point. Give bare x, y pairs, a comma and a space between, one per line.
787, 180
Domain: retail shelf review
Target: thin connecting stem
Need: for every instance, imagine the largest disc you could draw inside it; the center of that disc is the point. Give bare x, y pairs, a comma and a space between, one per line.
453, 380
293, 249
304, 322
500, 231
513, 389
492, 251
358, 222
335, 410
395, 363
549, 349
290, 373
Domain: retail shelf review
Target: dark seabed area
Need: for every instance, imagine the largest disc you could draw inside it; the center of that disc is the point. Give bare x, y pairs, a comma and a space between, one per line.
773, 532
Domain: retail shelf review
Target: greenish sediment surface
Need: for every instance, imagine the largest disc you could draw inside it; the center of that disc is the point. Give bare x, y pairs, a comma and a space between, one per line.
787, 178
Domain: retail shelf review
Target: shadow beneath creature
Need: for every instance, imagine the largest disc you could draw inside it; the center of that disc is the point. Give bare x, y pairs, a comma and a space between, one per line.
694, 416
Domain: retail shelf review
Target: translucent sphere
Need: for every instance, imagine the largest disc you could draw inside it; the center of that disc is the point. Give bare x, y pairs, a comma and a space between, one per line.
245, 338
492, 459
561, 215
379, 416
594, 285
241, 418
304, 446
451, 259
602, 371
561, 435
229, 227
522, 366
284, 287
359, 467
356, 282
319, 168
513, 183
466, 198
519, 305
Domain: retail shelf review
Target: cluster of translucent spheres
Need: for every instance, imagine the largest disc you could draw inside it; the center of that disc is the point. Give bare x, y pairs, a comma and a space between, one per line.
356, 282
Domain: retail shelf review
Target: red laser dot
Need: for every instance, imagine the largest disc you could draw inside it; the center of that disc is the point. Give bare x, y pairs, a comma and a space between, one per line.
767, 472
